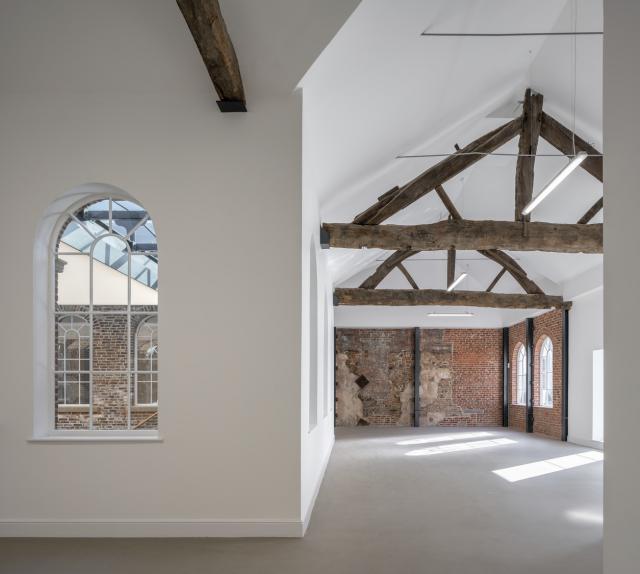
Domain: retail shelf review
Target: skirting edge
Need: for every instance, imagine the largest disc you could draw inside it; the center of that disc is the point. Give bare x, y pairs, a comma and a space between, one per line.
151, 529
316, 490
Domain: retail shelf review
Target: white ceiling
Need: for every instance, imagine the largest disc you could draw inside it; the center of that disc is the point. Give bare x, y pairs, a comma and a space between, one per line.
380, 89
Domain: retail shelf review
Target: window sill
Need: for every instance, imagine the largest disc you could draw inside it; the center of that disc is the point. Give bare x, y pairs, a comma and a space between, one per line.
62, 409
144, 408
543, 406
98, 436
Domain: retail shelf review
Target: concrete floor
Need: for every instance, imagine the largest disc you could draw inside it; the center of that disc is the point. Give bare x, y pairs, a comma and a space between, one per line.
380, 511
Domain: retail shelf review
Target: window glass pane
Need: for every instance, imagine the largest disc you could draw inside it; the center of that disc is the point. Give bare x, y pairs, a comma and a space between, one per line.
144, 275
144, 390
75, 238
146, 360
72, 343
72, 279
110, 286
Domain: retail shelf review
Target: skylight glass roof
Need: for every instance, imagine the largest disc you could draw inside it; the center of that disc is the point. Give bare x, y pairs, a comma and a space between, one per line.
129, 222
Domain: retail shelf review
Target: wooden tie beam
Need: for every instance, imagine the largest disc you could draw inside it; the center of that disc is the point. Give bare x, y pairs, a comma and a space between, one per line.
415, 297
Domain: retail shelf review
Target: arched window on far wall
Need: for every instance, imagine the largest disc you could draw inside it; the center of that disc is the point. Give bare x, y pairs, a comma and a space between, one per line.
546, 373
72, 360
105, 318
146, 359
521, 376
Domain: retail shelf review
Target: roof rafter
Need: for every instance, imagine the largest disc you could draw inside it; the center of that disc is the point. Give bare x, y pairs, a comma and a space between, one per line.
527, 147
486, 237
507, 262
438, 174
385, 268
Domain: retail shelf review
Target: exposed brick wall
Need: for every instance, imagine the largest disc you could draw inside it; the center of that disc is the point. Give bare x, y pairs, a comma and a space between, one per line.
374, 378
460, 378
546, 421
110, 390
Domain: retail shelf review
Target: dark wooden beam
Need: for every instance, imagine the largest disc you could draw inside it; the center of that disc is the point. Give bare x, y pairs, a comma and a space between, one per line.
439, 173
512, 266
209, 31
406, 273
587, 217
560, 137
518, 273
451, 208
527, 147
451, 265
470, 235
497, 278
385, 268
415, 297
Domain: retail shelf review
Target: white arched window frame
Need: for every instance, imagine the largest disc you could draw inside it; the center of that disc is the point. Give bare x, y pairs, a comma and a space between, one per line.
546, 373
521, 376
146, 362
47, 315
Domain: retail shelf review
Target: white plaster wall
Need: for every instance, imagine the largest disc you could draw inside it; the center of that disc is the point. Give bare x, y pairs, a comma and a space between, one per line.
621, 280
585, 336
316, 439
116, 92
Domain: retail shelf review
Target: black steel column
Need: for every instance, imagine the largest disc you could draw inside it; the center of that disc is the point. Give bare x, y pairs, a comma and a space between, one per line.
530, 365
416, 377
565, 375
505, 376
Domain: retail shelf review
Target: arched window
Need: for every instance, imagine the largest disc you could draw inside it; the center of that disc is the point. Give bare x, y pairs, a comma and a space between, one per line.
146, 357
546, 373
72, 360
105, 318
521, 376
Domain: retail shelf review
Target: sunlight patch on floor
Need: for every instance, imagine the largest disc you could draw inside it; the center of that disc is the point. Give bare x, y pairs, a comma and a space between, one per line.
542, 467
443, 438
460, 446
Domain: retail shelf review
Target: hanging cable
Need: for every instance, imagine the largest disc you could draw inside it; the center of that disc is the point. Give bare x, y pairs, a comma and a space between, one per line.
575, 74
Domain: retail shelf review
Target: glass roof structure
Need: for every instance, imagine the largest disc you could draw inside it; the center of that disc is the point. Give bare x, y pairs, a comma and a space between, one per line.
122, 223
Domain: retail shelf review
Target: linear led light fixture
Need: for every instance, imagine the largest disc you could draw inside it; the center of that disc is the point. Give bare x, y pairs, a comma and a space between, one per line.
555, 182
463, 314
457, 282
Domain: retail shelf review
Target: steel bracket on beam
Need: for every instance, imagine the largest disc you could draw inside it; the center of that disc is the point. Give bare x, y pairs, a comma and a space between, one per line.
324, 238
226, 106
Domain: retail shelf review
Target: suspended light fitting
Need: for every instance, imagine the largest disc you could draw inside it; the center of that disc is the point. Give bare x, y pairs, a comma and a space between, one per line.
555, 182
457, 282
463, 314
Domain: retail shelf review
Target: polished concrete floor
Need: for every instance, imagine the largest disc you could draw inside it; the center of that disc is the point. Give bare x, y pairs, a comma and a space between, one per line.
383, 510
